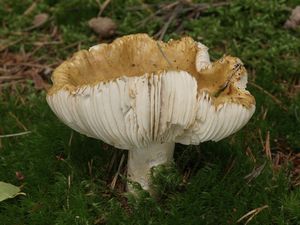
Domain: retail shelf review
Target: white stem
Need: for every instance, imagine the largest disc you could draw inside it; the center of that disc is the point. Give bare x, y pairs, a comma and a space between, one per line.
202, 58
140, 162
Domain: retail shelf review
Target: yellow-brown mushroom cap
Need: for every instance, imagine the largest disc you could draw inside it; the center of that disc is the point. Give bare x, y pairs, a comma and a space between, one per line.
137, 55
132, 55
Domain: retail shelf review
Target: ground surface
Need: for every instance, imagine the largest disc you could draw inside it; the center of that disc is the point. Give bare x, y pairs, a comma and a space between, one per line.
70, 179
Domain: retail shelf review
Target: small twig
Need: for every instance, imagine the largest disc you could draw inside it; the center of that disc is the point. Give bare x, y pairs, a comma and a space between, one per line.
38, 43
112, 161
18, 121
114, 181
265, 114
186, 175
90, 166
255, 173
103, 7
225, 85
39, 24
191, 7
296, 113
164, 29
10, 44
143, 6
4, 70
10, 77
229, 168
167, 7
276, 100
11, 83
250, 154
29, 65
261, 139
14, 135
267, 146
68, 191
163, 54
30, 9
251, 176
250, 215
200, 7
71, 45
70, 139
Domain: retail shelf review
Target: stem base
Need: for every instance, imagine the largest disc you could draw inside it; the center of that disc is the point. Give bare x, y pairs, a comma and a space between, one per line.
140, 162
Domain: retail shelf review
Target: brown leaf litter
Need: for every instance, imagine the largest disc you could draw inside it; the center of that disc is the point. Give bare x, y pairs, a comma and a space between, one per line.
16, 68
286, 157
294, 20
105, 27
38, 21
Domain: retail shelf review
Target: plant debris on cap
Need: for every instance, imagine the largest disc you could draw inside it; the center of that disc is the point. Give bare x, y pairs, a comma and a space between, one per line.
145, 95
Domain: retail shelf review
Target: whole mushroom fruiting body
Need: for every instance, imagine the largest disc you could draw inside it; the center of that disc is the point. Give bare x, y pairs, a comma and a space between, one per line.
145, 95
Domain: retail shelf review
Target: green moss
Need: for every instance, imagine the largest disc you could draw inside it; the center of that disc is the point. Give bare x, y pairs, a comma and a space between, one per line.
206, 184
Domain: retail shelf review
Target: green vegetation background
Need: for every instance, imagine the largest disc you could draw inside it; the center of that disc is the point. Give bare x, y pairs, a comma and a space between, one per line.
68, 176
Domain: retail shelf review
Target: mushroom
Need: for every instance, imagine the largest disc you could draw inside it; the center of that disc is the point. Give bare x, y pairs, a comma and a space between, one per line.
144, 96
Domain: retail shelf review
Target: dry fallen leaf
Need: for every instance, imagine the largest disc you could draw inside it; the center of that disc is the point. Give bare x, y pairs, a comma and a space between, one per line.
30, 9
39, 83
19, 176
40, 19
255, 172
294, 21
103, 26
22, 67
